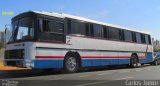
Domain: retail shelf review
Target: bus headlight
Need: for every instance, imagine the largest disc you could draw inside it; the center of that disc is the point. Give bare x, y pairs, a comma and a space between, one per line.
32, 64
27, 63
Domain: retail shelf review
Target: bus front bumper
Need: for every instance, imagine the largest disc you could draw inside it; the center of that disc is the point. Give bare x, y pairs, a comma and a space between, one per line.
19, 63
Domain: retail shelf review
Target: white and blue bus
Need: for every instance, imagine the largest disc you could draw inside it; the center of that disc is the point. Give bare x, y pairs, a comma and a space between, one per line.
42, 40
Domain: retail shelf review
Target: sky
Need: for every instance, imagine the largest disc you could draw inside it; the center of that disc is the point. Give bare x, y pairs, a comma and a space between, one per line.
141, 15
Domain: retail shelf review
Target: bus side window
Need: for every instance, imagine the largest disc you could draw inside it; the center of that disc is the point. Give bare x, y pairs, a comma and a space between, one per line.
68, 26
56, 26
128, 36
105, 32
134, 37
87, 29
53, 26
40, 23
121, 32
98, 31
46, 26
51, 30
91, 30
113, 33
143, 38
43, 25
138, 38
148, 39
76, 27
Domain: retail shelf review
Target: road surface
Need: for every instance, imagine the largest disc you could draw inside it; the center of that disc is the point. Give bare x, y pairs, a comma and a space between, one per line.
93, 77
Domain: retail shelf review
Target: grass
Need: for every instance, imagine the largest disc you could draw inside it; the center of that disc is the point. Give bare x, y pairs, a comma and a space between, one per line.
1, 63
10, 68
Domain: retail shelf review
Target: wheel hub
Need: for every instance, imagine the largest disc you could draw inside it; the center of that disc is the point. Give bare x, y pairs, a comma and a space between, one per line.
71, 63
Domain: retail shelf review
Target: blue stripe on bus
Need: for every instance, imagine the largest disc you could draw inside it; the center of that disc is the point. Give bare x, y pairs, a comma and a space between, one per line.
41, 64
88, 62
148, 59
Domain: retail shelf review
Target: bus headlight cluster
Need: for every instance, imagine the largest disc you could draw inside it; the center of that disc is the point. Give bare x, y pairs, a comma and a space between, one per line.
28, 63
32, 64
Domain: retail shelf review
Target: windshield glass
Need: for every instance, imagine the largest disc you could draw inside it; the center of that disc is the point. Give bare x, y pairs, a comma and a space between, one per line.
23, 29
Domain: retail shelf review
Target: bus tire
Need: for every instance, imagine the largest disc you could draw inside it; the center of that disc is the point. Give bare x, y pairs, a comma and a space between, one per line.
134, 61
71, 64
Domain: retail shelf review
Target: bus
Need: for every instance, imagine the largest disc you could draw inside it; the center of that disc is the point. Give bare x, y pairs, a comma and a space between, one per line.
48, 40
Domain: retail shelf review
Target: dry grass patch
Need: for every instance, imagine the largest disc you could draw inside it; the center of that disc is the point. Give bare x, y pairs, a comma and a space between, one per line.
1, 63
2, 67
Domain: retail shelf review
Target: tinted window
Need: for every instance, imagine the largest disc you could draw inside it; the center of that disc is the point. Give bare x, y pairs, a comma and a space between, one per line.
87, 29
105, 32
113, 33
91, 30
51, 31
134, 37
143, 38
56, 27
78, 27
52, 26
148, 39
45, 26
121, 37
68, 26
98, 30
128, 35
138, 38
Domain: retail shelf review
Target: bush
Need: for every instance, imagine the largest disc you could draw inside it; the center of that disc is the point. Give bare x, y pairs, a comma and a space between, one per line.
156, 50
2, 45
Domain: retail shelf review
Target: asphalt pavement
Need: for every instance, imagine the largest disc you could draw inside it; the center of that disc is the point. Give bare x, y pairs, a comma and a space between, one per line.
111, 76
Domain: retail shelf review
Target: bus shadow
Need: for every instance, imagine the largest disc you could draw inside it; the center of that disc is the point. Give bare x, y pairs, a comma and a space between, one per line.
113, 67
26, 73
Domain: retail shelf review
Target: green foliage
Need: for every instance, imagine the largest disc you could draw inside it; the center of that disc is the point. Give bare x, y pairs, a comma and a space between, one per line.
156, 50
2, 45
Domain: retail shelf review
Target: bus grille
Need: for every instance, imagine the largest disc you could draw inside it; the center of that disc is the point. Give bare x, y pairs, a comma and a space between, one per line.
14, 54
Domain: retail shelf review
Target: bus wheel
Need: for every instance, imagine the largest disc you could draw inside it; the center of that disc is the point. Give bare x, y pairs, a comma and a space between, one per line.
71, 64
134, 61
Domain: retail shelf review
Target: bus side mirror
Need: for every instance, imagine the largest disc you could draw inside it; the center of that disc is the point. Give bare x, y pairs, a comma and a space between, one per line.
6, 29
7, 32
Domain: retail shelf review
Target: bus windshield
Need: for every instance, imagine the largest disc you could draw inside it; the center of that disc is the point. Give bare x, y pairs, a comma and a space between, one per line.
22, 29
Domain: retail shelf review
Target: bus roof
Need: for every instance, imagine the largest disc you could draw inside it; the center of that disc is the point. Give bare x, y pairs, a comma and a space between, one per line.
63, 15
